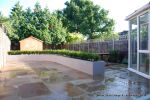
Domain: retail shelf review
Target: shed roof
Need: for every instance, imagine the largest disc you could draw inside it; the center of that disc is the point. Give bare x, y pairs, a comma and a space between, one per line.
138, 11
32, 38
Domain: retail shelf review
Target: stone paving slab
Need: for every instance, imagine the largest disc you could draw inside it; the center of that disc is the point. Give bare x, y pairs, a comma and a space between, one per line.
33, 89
52, 81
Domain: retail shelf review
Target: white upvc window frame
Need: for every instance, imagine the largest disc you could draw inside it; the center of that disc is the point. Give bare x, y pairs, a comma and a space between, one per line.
149, 34
138, 40
138, 51
129, 42
129, 47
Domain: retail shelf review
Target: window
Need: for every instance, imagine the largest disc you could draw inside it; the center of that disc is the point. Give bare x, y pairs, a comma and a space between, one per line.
143, 35
133, 43
144, 63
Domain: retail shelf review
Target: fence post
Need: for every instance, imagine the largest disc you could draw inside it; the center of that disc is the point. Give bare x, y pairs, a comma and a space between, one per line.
72, 46
99, 47
79, 46
113, 44
88, 46
67, 46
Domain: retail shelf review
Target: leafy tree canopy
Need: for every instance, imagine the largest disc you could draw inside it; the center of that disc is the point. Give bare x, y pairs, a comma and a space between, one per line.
79, 16
106, 36
7, 24
85, 17
75, 37
3, 19
39, 23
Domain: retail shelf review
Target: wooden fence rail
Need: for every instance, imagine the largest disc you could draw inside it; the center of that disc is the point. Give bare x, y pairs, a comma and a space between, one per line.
100, 47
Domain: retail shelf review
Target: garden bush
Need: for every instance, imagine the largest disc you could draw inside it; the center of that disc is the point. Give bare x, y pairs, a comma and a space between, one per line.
74, 54
113, 56
116, 56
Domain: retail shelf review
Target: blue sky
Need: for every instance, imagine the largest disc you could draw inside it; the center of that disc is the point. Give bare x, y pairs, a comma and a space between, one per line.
118, 9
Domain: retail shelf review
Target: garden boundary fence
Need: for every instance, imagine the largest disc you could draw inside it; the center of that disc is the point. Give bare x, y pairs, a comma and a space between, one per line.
100, 47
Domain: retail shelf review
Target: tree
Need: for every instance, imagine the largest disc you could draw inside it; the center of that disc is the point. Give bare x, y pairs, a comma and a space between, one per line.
75, 37
85, 17
39, 23
17, 20
106, 36
58, 32
3, 19
7, 24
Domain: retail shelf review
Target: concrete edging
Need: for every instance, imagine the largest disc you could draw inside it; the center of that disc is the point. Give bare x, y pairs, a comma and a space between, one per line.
89, 67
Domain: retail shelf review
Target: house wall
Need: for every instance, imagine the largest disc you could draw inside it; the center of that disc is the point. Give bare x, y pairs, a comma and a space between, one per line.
31, 44
4, 47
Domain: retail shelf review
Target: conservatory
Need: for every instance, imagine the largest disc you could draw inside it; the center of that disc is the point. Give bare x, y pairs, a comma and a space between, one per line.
139, 41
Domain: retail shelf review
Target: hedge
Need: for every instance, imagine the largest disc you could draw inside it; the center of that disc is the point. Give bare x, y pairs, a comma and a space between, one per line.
73, 54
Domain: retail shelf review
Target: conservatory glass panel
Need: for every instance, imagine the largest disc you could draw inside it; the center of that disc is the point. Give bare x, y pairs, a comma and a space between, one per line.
133, 43
143, 36
143, 44
144, 63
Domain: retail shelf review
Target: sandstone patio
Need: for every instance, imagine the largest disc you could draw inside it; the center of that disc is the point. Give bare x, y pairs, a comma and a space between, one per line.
42, 80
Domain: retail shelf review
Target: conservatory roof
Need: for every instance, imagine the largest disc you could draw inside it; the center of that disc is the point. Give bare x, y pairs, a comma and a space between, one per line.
138, 11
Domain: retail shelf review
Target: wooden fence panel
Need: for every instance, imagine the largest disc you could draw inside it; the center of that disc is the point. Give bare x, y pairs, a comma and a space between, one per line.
100, 47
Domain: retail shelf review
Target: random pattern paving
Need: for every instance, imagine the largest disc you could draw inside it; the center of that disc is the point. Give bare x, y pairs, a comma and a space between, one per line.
53, 81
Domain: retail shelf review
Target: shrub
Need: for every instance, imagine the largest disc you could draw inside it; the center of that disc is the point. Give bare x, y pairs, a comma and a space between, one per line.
74, 54
125, 61
113, 56
116, 56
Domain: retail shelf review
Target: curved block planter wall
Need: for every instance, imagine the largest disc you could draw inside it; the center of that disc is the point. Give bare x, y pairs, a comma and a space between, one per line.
91, 68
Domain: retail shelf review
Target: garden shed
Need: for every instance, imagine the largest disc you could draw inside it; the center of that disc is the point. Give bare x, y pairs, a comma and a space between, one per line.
30, 44
139, 41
